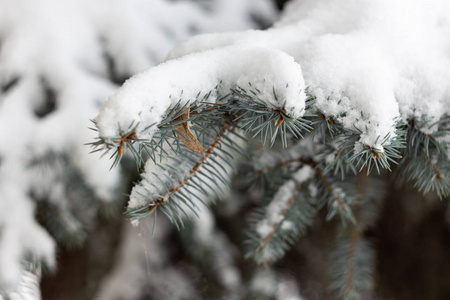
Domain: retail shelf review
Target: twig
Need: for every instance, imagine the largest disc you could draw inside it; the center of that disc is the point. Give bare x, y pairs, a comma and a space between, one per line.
192, 172
311, 162
355, 234
269, 236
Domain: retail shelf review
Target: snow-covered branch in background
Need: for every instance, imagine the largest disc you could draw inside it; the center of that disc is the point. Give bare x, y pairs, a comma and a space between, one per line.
59, 61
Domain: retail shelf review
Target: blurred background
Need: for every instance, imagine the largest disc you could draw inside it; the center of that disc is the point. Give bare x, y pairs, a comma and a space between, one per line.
60, 60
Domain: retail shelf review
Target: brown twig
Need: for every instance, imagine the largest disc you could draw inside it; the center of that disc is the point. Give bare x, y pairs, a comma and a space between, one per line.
269, 236
301, 159
311, 162
355, 234
330, 188
307, 161
435, 169
354, 237
210, 103
192, 172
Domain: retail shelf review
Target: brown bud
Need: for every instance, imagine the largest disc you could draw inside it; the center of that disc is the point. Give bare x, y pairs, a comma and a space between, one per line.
280, 121
377, 154
131, 135
120, 149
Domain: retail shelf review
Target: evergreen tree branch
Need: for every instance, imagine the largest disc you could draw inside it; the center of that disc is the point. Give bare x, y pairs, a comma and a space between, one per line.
179, 188
268, 237
344, 210
331, 190
350, 274
193, 172
355, 234
310, 162
278, 225
303, 160
426, 163
351, 262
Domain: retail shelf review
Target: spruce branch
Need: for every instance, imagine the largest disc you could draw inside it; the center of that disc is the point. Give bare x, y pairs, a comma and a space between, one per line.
350, 276
333, 160
301, 160
174, 188
262, 119
426, 161
290, 160
385, 151
351, 266
355, 235
344, 152
343, 207
185, 174
352, 260
269, 165
428, 174
338, 201
266, 239
279, 224
419, 141
325, 126
129, 139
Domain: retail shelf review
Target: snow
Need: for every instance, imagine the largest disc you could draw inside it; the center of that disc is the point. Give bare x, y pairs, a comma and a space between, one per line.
224, 264
267, 160
287, 225
28, 288
20, 235
274, 211
145, 97
264, 282
288, 289
366, 62
275, 208
151, 185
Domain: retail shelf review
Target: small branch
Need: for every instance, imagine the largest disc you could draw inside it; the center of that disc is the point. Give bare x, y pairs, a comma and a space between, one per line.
210, 103
435, 169
269, 236
330, 189
354, 238
305, 160
355, 234
193, 171
311, 162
